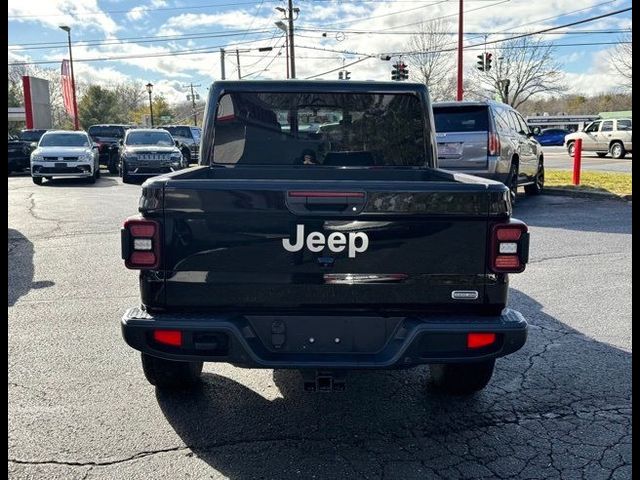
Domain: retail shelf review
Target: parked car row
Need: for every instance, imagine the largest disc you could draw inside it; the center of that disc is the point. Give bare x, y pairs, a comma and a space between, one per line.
139, 153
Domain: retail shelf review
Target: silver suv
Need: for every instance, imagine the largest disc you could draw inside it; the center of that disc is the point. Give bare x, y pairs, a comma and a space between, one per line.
490, 140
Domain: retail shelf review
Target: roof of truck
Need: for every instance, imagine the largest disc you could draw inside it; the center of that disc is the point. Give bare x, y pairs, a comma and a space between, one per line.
294, 85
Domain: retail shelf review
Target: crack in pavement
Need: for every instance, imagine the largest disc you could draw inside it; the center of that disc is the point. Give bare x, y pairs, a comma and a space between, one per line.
574, 255
519, 420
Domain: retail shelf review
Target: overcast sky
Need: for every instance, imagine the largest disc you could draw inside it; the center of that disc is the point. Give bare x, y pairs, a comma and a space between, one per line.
151, 32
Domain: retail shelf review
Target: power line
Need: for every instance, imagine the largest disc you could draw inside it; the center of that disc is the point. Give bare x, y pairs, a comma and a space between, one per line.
114, 41
374, 32
139, 9
203, 50
341, 67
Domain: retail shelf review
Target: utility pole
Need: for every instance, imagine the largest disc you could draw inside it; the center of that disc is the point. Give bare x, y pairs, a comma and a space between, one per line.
293, 58
238, 60
460, 26
193, 103
288, 15
222, 62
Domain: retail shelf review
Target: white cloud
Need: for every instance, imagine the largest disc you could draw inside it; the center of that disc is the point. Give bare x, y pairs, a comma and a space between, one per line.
136, 13
53, 13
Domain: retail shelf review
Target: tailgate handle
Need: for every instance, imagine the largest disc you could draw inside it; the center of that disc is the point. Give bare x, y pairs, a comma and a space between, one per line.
325, 201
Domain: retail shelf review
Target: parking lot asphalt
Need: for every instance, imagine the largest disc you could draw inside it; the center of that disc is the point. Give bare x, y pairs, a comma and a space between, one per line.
80, 408
558, 158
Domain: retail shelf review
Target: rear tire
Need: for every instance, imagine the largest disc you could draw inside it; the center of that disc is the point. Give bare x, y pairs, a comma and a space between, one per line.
92, 178
601, 154
571, 148
37, 180
617, 150
169, 374
538, 182
461, 378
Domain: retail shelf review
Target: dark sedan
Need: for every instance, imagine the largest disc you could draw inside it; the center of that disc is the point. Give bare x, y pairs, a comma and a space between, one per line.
551, 136
20, 148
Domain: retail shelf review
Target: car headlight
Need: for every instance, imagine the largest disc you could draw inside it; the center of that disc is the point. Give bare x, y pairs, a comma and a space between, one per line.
36, 157
85, 157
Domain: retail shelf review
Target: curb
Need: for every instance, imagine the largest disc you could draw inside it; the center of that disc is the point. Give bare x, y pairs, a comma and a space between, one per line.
570, 192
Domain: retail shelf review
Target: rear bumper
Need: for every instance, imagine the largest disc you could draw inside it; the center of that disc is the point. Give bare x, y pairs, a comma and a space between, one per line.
398, 342
497, 169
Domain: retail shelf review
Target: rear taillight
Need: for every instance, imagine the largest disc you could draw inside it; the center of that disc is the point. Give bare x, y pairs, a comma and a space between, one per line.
141, 244
168, 337
509, 247
480, 340
493, 144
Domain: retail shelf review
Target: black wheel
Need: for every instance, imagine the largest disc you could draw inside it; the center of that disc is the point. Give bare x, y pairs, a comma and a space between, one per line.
113, 164
538, 183
37, 180
571, 148
512, 182
461, 378
186, 154
125, 177
170, 374
92, 178
601, 154
617, 150
98, 171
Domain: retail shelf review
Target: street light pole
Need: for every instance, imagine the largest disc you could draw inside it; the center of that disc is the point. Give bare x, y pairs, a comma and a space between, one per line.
150, 89
293, 57
238, 60
283, 27
76, 122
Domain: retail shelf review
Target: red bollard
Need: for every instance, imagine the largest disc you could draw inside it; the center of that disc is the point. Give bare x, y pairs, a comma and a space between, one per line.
577, 158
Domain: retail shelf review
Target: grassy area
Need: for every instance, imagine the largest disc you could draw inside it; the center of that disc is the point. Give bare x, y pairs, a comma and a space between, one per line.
618, 183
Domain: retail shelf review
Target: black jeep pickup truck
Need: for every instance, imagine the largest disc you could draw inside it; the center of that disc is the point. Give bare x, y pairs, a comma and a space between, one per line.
318, 234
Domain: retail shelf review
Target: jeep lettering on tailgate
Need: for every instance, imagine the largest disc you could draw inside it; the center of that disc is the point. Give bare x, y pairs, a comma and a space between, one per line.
336, 242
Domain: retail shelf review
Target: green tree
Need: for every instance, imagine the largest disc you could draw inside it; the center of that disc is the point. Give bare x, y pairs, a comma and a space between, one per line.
15, 95
160, 109
98, 105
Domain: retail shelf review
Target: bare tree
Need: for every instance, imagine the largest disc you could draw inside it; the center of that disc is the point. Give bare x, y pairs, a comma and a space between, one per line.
620, 58
521, 68
431, 64
130, 96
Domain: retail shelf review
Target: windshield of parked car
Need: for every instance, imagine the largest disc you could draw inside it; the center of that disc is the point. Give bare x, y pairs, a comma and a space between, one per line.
64, 140
335, 129
195, 132
31, 136
179, 131
149, 138
106, 131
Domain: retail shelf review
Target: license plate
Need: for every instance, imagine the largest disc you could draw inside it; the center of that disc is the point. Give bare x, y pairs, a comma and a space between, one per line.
449, 148
60, 165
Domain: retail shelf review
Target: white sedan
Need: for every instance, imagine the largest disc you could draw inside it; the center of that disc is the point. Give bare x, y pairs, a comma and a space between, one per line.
65, 153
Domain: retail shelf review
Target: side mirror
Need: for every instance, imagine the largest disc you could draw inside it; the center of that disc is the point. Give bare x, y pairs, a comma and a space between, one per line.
177, 143
536, 130
120, 142
95, 147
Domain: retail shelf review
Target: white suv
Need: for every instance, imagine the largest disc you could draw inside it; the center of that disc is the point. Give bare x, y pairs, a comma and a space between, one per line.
65, 153
611, 136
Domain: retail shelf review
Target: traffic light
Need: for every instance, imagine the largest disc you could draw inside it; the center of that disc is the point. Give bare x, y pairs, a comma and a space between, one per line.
480, 64
399, 72
395, 73
487, 61
404, 73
